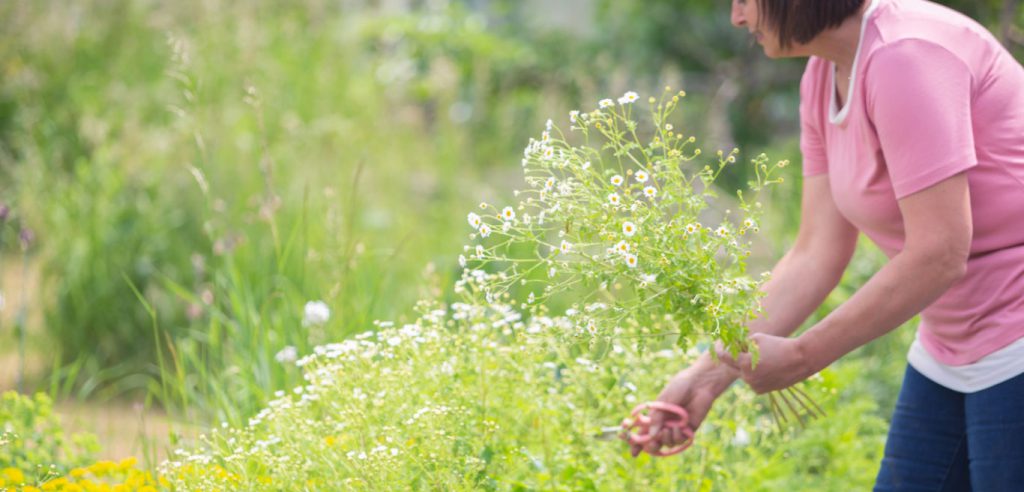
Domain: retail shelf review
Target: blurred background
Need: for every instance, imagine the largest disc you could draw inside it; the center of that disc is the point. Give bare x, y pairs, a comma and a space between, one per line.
178, 179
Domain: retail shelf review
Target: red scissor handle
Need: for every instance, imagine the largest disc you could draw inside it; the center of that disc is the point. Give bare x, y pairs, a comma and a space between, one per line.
642, 422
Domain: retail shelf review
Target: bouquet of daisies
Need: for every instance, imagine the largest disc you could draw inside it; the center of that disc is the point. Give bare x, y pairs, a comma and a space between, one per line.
615, 216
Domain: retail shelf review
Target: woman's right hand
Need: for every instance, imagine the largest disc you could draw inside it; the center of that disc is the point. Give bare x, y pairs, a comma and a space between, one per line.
694, 389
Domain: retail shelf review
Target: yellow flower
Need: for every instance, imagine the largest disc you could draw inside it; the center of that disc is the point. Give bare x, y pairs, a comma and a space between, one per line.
14, 475
78, 472
102, 467
52, 485
127, 463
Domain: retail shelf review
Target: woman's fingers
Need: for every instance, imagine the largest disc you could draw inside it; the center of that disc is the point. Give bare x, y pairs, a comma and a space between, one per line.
677, 437
725, 357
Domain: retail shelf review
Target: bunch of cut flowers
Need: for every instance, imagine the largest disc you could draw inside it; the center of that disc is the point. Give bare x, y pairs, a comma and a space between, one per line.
617, 223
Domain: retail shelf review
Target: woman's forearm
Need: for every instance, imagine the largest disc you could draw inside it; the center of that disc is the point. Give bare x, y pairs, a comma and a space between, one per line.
901, 289
800, 282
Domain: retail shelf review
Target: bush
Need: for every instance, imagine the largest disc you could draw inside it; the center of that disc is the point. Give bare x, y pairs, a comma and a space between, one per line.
32, 443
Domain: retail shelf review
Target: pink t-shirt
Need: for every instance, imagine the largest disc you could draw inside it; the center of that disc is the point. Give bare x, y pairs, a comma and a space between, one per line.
933, 95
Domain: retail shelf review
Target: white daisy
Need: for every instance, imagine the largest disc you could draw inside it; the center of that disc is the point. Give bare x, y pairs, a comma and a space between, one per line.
605, 103
479, 251
550, 183
617, 180
508, 214
692, 227
641, 176
565, 247
629, 229
474, 220
485, 230
629, 98
287, 355
574, 115
722, 231
631, 261
462, 261
648, 277
650, 192
614, 199
622, 247
315, 313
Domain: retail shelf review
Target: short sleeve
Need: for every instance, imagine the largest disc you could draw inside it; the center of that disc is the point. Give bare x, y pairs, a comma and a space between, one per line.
812, 131
919, 101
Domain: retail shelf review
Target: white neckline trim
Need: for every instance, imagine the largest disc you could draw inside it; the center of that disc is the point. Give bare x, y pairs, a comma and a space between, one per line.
835, 115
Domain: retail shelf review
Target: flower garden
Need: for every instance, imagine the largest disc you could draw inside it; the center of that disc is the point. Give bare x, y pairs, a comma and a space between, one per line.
356, 246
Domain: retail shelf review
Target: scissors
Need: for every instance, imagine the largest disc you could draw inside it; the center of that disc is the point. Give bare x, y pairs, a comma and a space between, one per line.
641, 422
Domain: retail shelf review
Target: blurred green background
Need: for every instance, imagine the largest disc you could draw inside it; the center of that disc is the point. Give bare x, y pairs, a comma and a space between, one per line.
193, 172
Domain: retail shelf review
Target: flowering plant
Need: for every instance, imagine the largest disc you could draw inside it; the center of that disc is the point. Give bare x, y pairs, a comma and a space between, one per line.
619, 222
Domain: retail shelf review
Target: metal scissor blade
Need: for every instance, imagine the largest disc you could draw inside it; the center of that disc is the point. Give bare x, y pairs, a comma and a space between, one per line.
609, 433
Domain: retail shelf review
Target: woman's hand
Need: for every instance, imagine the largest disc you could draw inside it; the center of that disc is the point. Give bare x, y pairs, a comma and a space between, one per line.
694, 389
782, 363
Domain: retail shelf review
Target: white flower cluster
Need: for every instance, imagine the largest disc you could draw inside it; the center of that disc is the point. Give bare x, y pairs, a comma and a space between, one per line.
615, 216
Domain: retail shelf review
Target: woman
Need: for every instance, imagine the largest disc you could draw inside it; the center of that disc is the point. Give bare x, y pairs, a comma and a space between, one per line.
912, 132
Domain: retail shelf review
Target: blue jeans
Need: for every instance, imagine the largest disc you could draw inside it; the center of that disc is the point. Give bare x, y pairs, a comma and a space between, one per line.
942, 440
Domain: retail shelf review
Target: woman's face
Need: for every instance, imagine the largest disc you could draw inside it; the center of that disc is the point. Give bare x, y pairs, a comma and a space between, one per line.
745, 14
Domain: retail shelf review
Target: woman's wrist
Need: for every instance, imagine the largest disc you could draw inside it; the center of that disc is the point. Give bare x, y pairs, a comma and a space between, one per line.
712, 375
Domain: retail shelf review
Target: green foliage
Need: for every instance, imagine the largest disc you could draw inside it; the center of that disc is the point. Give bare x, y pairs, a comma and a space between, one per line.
31, 438
474, 398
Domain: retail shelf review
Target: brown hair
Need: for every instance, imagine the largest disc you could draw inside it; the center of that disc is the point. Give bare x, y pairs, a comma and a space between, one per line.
802, 20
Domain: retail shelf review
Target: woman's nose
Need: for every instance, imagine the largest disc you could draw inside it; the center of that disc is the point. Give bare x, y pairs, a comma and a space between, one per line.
736, 17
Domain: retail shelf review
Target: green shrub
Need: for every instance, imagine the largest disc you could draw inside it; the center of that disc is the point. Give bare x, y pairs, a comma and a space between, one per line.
31, 439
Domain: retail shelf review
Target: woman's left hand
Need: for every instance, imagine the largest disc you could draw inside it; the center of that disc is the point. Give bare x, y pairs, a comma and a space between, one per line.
782, 363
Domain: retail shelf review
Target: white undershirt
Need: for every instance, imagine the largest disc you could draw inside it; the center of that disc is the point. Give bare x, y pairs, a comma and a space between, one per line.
835, 114
999, 366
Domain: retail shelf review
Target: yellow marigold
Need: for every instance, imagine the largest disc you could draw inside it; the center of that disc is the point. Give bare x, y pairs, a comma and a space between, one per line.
137, 479
30, 488
102, 467
72, 487
14, 476
122, 488
127, 463
55, 484
79, 472
147, 488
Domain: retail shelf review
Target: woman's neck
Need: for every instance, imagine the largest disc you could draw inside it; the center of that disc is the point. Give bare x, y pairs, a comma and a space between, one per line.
839, 45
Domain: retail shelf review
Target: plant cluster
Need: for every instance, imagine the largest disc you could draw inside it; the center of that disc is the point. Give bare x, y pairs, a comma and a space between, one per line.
620, 222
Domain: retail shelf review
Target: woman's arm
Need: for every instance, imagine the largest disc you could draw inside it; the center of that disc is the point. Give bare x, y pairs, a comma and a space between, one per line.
938, 229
